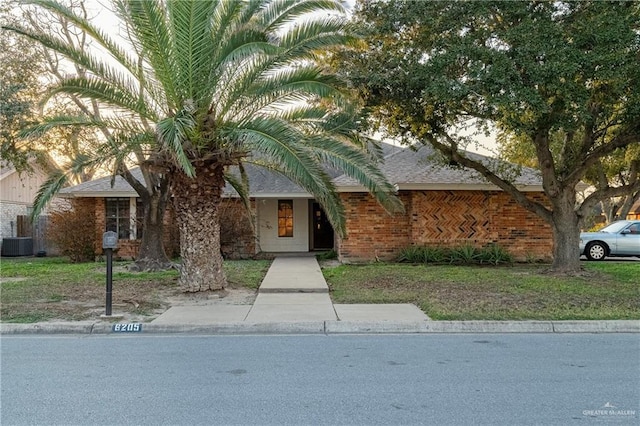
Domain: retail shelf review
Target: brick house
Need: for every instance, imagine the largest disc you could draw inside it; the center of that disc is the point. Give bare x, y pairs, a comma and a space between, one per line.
634, 213
444, 205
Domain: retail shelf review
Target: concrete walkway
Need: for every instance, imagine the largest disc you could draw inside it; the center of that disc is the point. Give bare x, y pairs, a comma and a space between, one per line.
293, 290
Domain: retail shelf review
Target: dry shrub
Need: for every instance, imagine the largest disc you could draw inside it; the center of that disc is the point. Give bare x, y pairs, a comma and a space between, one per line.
236, 233
73, 232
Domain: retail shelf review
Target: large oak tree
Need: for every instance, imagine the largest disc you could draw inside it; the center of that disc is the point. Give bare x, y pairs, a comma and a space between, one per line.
531, 69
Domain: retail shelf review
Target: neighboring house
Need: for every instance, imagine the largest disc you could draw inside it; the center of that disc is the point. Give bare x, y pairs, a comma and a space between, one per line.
634, 213
445, 205
17, 192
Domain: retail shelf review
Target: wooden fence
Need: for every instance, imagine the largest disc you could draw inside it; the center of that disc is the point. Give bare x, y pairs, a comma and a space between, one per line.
37, 231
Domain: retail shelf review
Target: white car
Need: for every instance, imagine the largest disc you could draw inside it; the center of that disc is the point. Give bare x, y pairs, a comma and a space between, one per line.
621, 238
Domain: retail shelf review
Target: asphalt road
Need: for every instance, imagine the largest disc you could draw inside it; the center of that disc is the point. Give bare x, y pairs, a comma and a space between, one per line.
508, 379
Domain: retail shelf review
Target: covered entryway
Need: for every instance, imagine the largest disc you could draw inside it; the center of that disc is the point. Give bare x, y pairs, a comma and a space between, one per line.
292, 225
321, 230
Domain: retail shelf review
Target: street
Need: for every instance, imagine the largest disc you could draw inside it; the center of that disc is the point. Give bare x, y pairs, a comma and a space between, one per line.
490, 379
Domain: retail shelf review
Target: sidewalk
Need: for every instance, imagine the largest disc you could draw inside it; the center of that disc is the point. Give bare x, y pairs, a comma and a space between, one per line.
294, 298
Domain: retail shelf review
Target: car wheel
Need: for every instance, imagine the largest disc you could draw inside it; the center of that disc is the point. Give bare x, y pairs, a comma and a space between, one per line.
596, 251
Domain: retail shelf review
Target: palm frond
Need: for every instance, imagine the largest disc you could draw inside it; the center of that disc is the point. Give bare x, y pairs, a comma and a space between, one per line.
241, 186
174, 135
309, 36
280, 14
100, 69
60, 178
194, 46
308, 80
277, 141
132, 128
47, 191
103, 92
121, 55
357, 165
49, 123
149, 25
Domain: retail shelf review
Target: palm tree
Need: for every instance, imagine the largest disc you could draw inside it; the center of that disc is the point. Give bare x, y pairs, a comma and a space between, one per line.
230, 81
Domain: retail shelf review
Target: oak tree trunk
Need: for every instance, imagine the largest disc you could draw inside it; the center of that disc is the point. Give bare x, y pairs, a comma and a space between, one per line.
566, 237
152, 255
196, 203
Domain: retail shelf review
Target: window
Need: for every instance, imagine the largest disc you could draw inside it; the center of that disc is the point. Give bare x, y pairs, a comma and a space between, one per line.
118, 218
285, 218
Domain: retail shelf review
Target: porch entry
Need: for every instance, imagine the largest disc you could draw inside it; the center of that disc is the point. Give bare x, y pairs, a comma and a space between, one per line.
321, 230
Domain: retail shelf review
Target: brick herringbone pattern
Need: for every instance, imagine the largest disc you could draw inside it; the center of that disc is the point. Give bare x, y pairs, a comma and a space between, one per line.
451, 216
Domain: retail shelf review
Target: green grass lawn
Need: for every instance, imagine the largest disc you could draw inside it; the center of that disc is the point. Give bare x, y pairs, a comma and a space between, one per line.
40, 289
607, 290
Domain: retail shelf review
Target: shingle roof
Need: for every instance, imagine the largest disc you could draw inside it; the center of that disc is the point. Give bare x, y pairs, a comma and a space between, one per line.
263, 182
404, 167
409, 169
102, 185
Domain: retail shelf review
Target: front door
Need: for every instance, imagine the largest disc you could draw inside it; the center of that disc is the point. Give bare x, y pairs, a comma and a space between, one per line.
322, 233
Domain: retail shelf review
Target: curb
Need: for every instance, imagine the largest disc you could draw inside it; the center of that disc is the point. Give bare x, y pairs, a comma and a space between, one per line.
335, 327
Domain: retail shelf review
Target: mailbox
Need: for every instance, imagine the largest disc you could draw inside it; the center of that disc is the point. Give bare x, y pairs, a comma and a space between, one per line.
109, 240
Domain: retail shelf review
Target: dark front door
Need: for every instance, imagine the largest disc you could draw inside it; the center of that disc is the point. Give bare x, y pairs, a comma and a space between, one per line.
322, 230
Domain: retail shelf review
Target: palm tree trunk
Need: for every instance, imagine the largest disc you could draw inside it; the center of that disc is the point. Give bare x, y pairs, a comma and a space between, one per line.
196, 203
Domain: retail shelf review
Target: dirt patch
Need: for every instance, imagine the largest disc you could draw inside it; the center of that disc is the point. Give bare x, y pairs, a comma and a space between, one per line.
51, 289
11, 279
131, 308
138, 301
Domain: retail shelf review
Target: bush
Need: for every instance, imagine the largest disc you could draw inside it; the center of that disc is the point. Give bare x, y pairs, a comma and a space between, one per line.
423, 254
236, 233
495, 254
411, 254
327, 255
73, 232
463, 254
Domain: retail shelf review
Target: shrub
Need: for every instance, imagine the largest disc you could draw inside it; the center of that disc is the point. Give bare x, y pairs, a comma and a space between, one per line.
422, 254
411, 254
73, 232
236, 232
435, 254
495, 254
327, 255
465, 254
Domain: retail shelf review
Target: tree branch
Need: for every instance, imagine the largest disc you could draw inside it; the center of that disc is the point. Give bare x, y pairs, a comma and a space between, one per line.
452, 153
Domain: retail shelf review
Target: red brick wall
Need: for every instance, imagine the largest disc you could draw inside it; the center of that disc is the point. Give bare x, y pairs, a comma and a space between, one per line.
520, 231
372, 233
234, 219
443, 218
127, 249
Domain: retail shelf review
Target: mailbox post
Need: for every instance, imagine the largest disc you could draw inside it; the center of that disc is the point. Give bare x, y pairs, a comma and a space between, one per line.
109, 242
